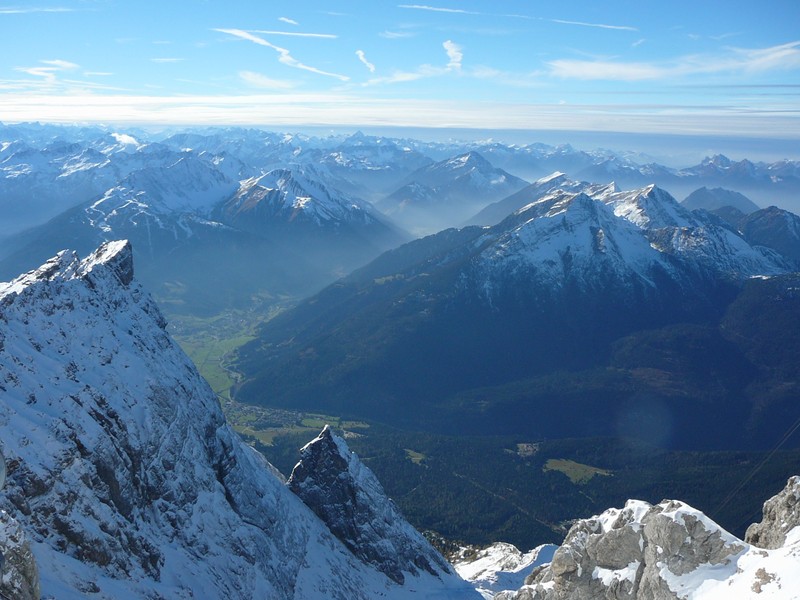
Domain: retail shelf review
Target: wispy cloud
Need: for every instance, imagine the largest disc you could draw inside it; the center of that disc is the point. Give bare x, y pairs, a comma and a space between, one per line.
454, 53
50, 70
288, 21
166, 60
13, 10
422, 72
61, 65
724, 36
362, 57
284, 56
638, 43
97, 74
437, 9
263, 82
515, 16
328, 36
782, 57
396, 35
531, 79
599, 25
714, 38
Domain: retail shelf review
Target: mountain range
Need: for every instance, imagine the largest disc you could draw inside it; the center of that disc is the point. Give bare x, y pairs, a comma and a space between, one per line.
448, 192
192, 225
467, 326
188, 198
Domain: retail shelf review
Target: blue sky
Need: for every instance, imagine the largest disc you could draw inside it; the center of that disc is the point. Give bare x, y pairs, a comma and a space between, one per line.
700, 67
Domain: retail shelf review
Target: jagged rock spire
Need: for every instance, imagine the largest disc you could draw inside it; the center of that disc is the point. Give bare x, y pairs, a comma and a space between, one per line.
347, 496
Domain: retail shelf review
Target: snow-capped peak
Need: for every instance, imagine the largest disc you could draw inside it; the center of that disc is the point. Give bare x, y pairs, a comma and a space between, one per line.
650, 208
628, 240
283, 194
555, 176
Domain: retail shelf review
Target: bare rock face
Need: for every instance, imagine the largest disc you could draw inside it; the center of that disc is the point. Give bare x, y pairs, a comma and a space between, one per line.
348, 498
781, 515
641, 551
20, 577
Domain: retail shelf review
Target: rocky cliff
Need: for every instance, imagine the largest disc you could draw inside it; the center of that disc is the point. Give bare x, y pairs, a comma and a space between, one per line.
781, 518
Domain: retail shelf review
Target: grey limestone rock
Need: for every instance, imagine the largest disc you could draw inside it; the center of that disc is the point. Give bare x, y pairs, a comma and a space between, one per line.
781, 515
626, 553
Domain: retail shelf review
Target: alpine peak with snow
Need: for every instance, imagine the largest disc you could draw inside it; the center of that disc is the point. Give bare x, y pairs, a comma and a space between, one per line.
125, 480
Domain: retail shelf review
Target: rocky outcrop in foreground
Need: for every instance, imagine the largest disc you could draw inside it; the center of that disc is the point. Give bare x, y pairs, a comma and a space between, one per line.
671, 551
781, 517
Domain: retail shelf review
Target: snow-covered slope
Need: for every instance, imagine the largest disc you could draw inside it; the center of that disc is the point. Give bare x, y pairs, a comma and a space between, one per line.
502, 566
122, 470
40, 181
569, 237
667, 551
161, 197
693, 237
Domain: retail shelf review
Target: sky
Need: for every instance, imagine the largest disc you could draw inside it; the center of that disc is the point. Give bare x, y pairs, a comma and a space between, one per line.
678, 67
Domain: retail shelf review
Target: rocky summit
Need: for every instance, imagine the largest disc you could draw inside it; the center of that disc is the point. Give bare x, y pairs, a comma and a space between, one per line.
671, 551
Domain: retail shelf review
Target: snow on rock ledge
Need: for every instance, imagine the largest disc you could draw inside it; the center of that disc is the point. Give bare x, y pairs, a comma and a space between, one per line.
668, 551
502, 566
348, 498
124, 475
